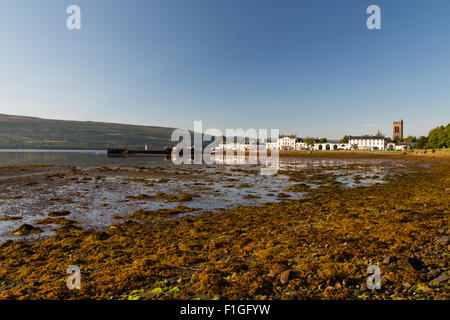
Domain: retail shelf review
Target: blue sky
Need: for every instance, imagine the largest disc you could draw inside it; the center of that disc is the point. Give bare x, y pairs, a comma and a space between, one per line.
306, 67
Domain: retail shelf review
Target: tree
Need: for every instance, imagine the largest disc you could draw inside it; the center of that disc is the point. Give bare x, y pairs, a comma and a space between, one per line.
411, 139
345, 139
310, 141
379, 134
420, 143
323, 140
439, 137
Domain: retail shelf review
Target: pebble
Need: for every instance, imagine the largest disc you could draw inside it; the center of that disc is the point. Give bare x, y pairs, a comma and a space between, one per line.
406, 285
442, 240
363, 287
389, 259
441, 278
284, 278
433, 274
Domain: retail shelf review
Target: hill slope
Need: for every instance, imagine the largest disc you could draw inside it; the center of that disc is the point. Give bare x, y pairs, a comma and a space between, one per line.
17, 132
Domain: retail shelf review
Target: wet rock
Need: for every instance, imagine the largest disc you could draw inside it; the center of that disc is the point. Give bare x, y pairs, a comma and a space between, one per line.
26, 229
329, 289
442, 240
406, 286
102, 236
389, 259
433, 274
363, 288
282, 195
416, 263
59, 221
60, 213
140, 197
440, 279
285, 276
10, 218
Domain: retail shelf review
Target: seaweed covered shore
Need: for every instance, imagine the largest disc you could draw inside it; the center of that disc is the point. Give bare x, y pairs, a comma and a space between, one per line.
316, 247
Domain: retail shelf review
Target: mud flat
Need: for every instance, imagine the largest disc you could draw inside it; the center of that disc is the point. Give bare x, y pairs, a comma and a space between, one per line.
312, 236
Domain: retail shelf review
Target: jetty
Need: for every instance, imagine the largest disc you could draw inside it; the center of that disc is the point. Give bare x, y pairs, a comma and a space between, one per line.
123, 152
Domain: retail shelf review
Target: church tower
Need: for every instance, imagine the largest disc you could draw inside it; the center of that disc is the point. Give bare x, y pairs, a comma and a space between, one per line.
398, 130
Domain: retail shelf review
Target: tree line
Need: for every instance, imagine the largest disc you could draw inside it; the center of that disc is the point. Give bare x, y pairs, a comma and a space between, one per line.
437, 138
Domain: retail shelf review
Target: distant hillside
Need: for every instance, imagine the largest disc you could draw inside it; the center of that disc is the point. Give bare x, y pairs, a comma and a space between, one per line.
18, 132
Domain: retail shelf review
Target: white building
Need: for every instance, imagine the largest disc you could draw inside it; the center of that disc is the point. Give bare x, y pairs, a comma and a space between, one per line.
273, 144
301, 145
403, 146
293, 143
331, 146
234, 146
367, 143
287, 142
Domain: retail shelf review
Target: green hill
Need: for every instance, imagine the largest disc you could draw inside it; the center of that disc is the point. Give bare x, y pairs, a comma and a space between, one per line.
17, 132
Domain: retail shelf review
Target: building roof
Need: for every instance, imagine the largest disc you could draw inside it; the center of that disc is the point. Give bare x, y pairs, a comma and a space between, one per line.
366, 137
288, 136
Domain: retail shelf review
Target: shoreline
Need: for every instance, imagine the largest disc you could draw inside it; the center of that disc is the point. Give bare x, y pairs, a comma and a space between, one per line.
312, 248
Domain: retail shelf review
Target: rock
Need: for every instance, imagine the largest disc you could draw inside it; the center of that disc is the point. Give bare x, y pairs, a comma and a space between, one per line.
102, 236
363, 287
433, 274
389, 259
26, 229
285, 276
406, 285
61, 213
416, 264
329, 289
337, 286
441, 278
442, 240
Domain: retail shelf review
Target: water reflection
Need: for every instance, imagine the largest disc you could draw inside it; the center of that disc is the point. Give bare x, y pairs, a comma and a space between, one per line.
72, 157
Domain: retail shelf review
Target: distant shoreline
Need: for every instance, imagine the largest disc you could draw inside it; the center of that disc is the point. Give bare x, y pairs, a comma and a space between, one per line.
53, 150
284, 153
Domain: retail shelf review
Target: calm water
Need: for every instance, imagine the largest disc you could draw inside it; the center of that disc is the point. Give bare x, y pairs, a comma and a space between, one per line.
72, 157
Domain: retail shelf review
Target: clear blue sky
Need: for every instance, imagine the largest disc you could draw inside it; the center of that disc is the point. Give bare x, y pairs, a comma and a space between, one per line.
306, 67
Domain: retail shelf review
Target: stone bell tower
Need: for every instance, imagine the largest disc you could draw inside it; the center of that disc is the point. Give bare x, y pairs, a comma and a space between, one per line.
398, 130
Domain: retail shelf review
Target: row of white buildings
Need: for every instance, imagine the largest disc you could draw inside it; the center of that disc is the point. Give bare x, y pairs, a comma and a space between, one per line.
369, 143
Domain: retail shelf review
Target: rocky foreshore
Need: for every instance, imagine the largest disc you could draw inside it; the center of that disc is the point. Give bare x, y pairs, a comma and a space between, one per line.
316, 247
